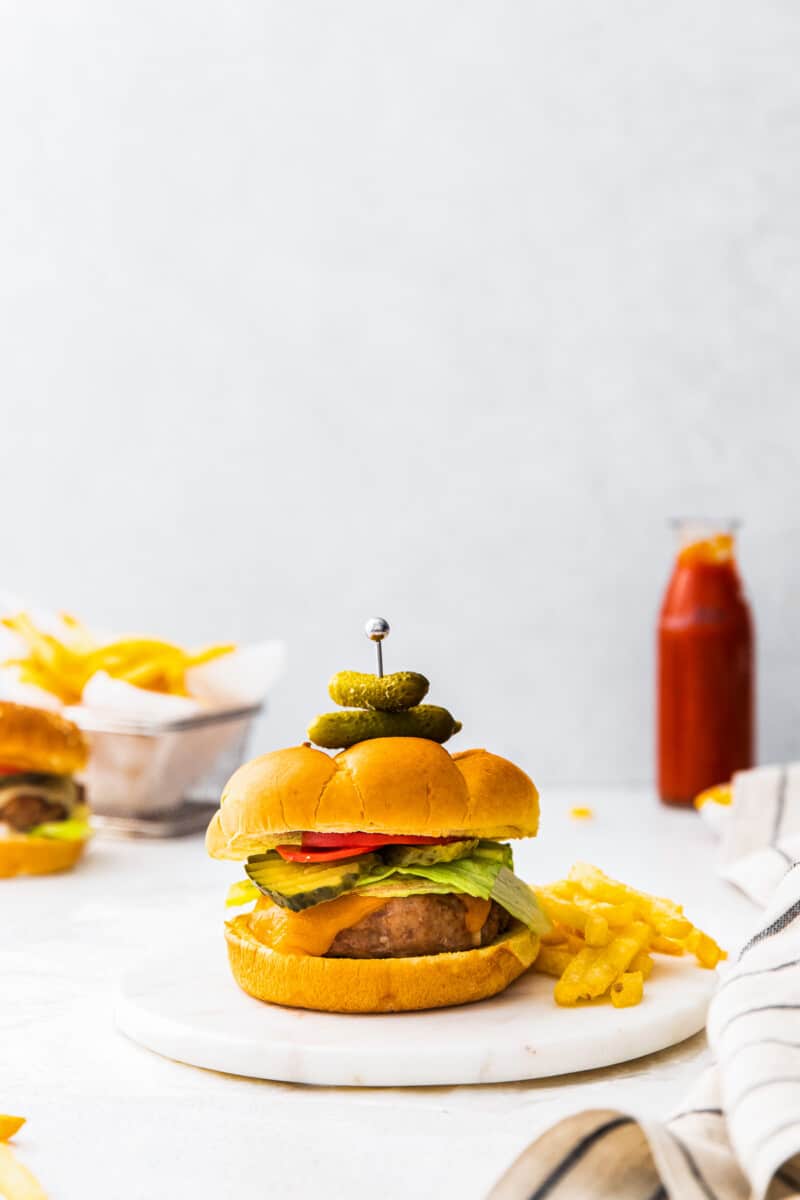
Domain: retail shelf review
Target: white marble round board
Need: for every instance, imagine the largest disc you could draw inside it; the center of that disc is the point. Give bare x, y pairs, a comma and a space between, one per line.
186, 1006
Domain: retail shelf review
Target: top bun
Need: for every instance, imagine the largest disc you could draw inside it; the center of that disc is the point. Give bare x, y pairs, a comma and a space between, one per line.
386, 785
39, 740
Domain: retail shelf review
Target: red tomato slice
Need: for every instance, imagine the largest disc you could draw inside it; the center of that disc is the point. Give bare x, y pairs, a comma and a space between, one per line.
6, 769
369, 840
299, 854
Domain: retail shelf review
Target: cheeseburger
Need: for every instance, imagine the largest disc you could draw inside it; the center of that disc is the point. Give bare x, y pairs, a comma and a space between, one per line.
382, 876
43, 818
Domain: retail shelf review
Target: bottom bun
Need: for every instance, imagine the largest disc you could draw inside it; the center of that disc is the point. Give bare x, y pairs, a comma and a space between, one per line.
21, 855
375, 985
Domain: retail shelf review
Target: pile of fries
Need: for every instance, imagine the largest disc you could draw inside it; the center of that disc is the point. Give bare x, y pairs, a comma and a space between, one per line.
63, 664
604, 936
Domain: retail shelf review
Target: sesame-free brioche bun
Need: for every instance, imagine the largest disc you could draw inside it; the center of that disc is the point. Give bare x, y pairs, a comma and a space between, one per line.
376, 985
37, 740
23, 855
401, 786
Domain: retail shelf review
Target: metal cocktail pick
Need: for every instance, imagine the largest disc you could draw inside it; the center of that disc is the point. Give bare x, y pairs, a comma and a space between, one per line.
376, 629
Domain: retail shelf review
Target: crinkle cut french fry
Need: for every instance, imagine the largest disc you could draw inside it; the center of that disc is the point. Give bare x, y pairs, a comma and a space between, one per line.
557, 936
643, 963
596, 931
617, 915
564, 912
595, 883
705, 949
552, 960
666, 917
665, 945
565, 939
627, 990
572, 985
592, 971
560, 910
564, 888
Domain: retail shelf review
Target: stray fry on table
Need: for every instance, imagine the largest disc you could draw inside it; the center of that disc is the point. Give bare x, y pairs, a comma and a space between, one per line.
9, 1126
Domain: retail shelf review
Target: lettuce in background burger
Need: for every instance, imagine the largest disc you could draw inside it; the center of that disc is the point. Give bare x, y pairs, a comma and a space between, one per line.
44, 822
382, 876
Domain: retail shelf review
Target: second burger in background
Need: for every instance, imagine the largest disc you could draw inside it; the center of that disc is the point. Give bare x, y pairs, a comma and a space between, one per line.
44, 822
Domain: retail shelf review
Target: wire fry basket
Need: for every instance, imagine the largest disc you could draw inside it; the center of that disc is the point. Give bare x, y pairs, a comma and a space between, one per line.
162, 778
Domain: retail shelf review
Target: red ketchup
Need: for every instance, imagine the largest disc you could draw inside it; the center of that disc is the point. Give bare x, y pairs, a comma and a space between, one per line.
705, 669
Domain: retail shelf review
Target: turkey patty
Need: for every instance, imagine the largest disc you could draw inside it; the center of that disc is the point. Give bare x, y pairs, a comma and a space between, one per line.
417, 925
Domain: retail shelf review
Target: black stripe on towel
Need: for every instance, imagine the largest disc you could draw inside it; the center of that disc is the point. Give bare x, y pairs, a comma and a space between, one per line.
787, 1178
749, 1011
792, 1123
777, 926
578, 1151
762, 971
780, 806
762, 1083
696, 1112
790, 1045
695, 1170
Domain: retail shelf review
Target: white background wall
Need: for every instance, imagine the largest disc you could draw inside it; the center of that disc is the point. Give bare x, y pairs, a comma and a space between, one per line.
311, 311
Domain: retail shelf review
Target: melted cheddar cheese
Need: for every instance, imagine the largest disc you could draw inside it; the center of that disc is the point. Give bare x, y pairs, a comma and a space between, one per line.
313, 930
476, 914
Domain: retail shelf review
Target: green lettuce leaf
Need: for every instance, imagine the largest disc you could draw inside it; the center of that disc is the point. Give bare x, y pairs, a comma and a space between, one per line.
73, 829
485, 874
242, 892
397, 889
484, 878
512, 894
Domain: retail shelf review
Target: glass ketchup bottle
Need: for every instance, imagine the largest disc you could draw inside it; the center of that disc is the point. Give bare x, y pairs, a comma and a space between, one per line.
706, 686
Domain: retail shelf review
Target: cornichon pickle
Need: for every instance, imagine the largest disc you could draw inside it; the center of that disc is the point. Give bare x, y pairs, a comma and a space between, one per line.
390, 693
342, 729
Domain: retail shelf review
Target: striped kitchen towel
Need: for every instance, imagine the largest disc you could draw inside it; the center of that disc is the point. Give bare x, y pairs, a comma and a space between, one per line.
760, 829
737, 1134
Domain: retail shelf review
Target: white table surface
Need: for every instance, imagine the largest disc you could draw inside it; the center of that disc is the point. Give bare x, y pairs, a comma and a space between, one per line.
109, 1119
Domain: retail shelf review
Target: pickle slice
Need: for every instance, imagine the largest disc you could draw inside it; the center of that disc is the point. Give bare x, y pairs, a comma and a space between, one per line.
301, 885
408, 856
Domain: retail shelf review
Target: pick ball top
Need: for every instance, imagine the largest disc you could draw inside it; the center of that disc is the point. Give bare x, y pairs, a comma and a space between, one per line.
377, 628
